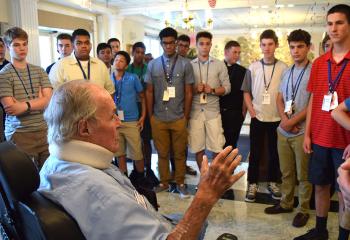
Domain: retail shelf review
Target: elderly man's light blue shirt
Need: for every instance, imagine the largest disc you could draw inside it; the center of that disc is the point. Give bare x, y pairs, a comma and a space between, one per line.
97, 195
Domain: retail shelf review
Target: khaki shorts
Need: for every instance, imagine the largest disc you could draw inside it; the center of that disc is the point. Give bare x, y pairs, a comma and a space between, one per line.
205, 134
130, 141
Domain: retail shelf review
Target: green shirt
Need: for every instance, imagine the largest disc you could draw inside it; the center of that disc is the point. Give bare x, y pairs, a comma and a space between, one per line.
139, 71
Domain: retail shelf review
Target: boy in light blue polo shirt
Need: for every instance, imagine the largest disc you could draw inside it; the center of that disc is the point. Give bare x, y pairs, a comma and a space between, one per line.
128, 89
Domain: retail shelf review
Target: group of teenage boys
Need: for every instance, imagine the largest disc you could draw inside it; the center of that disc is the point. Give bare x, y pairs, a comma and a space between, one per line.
203, 102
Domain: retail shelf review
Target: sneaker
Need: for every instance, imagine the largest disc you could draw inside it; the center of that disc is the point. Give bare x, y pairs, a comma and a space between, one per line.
251, 193
183, 191
161, 187
314, 234
300, 219
274, 190
276, 209
190, 171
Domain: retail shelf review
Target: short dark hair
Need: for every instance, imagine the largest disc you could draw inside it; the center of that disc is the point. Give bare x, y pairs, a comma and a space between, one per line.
1, 40
270, 34
167, 32
138, 45
112, 40
125, 54
340, 8
64, 36
102, 46
13, 33
231, 44
79, 32
300, 35
204, 34
184, 38
325, 40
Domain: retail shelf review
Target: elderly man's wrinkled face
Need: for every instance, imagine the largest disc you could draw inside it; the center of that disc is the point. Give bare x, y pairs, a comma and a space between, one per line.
104, 130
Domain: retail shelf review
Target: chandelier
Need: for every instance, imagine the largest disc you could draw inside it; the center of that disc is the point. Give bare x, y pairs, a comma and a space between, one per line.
187, 19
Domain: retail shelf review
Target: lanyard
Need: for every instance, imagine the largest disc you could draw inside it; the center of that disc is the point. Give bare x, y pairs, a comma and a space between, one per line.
295, 88
200, 72
142, 71
273, 70
82, 70
118, 89
169, 76
30, 81
332, 84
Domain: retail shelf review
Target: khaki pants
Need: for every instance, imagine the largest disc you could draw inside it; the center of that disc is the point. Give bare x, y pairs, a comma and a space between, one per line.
162, 132
294, 165
34, 144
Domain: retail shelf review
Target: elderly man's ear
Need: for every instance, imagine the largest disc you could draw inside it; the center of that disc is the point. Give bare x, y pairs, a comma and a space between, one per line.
83, 128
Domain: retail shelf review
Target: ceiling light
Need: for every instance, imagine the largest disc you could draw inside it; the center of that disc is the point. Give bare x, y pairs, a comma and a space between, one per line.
279, 6
264, 6
290, 5
255, 7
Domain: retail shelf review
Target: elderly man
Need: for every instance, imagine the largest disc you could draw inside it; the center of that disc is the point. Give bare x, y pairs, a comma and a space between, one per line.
82, 136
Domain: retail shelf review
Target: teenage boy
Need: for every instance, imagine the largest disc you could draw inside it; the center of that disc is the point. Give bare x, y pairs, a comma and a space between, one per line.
64, 47
326, 139
232, 107
128, 90
25, 91
260, 86
115, 45
104, 53
211, 81
183, 45
169, 81
3, 63
81, 65
292, 101
139, 68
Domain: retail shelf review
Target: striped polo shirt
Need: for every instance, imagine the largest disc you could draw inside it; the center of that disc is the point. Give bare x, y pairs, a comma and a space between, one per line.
11, 86
324, 130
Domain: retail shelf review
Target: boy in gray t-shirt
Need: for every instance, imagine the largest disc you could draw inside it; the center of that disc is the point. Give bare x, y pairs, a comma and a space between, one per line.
25, 91
292, 102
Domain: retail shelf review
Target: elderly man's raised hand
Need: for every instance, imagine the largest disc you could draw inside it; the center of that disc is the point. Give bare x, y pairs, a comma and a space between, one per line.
217, 177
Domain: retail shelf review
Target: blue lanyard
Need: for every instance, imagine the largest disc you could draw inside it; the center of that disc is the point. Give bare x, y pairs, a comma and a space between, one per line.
200, 72
273, 70
332, 84
82, 70
30, 81
118, 90
295, 88
169, 76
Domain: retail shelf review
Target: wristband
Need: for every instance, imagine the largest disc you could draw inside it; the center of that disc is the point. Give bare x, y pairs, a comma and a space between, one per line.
29, 107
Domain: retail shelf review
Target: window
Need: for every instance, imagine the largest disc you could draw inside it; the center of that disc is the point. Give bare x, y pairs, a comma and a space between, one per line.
153, 46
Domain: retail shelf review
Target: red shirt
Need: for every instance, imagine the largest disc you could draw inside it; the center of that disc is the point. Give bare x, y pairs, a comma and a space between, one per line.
324, 130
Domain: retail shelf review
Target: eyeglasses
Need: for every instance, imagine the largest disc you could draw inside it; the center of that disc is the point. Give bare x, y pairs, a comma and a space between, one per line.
168, 43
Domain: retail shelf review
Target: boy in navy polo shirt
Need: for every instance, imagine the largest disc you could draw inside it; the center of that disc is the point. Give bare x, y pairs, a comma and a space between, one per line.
127, 90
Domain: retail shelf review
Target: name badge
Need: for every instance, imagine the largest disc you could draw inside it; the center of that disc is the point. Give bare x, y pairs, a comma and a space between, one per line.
326, 104
266, 99
288, 107
334, 103
166, 96
171, 91
120, 114
203, 98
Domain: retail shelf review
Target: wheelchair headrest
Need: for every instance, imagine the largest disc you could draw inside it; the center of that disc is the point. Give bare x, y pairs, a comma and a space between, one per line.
19, 176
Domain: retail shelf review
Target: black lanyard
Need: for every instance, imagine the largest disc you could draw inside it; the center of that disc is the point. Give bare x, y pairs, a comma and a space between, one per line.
169, 76
118, 90
142, 71
295, 87
332, 84
30, 81
273, 70
200, 72
82, 70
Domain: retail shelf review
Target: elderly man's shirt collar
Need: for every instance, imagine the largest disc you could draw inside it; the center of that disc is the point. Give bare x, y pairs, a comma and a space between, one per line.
82, 152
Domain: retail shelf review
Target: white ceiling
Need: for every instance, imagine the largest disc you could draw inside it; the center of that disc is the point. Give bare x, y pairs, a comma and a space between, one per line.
228, 15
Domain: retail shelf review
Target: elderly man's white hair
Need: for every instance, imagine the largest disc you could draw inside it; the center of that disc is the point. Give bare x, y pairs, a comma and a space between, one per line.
70, 103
